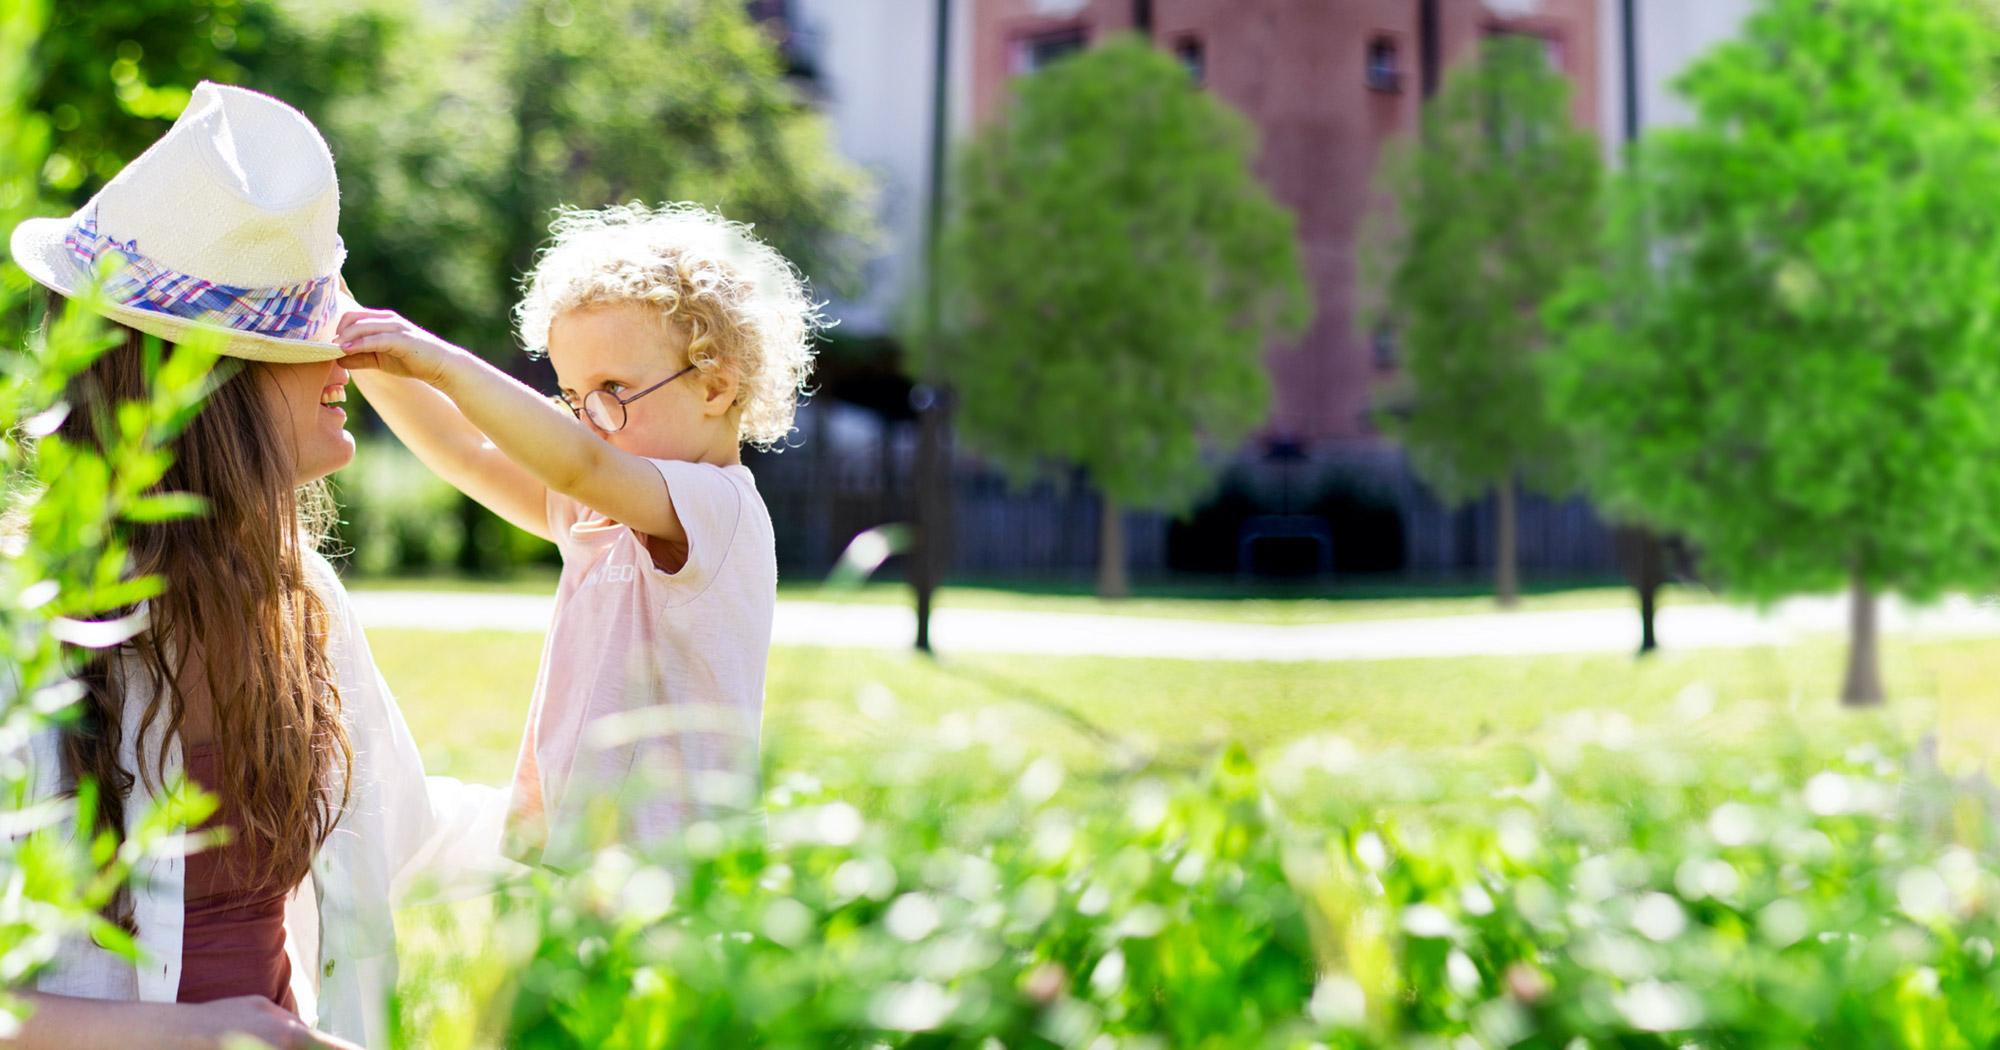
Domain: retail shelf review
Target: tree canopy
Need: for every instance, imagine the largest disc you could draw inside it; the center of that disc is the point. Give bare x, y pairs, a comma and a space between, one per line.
1494, 197
1113, 273
1787, 350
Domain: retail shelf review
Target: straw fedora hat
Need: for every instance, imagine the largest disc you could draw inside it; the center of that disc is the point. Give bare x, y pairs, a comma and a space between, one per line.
228, 225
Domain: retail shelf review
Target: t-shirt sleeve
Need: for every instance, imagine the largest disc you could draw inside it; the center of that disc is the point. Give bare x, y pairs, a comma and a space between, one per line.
709, 506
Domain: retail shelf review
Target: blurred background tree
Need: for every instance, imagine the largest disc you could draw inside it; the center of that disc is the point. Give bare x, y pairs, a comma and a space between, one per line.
1493, 199
1112, 272
677, 100
459, 129
111, 77
24, 143
408, 99
1786, 351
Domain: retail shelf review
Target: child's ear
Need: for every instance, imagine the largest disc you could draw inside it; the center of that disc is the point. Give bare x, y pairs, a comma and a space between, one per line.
718, 391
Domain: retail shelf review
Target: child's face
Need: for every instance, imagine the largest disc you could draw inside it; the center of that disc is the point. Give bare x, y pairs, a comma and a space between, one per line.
623, 348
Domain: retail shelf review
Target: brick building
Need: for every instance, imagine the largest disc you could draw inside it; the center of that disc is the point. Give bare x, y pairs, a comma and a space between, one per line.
1327, 83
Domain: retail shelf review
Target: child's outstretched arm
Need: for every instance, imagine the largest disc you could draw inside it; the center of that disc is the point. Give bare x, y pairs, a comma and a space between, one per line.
455, 450
537, 435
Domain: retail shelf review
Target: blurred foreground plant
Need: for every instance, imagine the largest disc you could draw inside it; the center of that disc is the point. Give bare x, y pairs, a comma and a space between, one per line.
65, 591
970, 893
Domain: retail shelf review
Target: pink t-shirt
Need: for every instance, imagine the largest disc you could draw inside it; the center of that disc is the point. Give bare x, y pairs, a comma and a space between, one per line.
646, 714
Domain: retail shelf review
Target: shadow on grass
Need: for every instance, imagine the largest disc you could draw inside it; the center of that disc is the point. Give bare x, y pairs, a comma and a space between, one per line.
1126, 756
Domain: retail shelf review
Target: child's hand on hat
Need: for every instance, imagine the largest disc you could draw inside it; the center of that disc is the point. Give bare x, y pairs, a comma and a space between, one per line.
386, 341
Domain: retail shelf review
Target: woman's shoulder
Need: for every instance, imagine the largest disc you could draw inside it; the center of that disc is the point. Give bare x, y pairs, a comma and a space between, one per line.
345, 642
319, 570
324, 579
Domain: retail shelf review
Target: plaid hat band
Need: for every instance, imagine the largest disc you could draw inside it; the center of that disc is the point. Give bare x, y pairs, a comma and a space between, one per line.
291, 311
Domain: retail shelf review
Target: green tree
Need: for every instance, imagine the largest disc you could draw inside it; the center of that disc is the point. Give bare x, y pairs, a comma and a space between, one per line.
24, 141
676, 100
459, 130
1787, 350
111, 76
1492, 201
1113, 273
414, 108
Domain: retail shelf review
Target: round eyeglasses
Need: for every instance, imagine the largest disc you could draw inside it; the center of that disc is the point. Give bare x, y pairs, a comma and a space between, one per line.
606, 409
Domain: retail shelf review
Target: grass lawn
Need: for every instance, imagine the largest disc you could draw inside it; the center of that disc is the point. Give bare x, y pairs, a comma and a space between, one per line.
467, 693
1222, 602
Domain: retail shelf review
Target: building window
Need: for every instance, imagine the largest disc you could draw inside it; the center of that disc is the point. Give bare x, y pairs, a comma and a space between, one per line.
1385, 71
1188, 50
1383, 343
1034, 52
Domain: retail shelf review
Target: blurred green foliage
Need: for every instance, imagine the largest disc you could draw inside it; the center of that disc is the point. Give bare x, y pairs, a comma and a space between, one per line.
677, 100
24, 137
66, 588
1113, 273
398, 518
1785, 350
1790, 888
457, 130
110, 77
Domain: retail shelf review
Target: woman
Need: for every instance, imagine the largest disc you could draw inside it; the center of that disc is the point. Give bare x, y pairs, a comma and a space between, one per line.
253, 677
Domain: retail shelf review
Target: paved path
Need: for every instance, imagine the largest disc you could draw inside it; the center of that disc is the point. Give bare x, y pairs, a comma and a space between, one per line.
865, 626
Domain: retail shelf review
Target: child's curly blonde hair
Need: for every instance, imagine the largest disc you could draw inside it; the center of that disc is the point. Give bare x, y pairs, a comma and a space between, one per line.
745, 309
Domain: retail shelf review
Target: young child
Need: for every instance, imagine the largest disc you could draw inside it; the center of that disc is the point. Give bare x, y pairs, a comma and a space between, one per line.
676, 337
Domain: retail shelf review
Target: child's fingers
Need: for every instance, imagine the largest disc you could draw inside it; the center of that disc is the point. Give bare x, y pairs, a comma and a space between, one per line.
364, 316
356, 362
357, 318
369, 330
379, 344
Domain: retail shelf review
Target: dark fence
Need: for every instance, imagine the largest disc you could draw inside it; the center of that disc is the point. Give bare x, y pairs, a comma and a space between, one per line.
1344, 511
855, 471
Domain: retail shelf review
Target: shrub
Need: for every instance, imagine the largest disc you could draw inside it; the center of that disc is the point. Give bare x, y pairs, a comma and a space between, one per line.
398, 517
65, 591
1601, 894
395, 515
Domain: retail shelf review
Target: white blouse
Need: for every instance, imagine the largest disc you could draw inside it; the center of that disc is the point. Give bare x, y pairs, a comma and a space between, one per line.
404, 837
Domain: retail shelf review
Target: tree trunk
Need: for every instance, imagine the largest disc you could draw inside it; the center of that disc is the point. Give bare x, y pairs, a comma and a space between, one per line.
1506, 572
1864, 671
1648, 595
473, 557
1113, 580
1643, 557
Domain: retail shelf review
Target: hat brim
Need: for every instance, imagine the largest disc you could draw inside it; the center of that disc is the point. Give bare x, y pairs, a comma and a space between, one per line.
38, 249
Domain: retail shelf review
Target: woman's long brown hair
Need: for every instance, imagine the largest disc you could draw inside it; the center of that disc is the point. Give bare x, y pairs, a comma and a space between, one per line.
239, 619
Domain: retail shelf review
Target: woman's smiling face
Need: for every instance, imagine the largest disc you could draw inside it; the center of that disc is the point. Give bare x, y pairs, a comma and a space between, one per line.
306, 399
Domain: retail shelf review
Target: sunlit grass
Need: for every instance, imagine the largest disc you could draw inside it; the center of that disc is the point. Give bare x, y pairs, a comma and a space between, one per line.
1223, 601
466, 695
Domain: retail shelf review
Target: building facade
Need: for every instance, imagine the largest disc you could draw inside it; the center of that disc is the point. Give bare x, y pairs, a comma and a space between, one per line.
1329, 85
1664, 37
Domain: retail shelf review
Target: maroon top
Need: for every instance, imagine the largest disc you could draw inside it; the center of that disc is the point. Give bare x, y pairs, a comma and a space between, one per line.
233, 935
